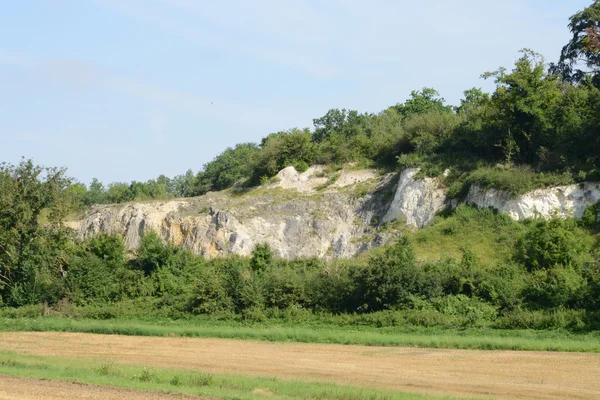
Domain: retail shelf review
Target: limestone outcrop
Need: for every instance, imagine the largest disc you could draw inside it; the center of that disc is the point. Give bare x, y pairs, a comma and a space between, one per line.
568, 201
311, 214
326, 224
416, 201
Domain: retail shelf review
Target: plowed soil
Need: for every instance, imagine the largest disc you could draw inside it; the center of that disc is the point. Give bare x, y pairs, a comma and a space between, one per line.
466, 373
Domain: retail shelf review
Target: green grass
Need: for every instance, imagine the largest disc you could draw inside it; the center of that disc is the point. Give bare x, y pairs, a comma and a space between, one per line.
472, 338
489, 235
516, 181
187, 382
466, 171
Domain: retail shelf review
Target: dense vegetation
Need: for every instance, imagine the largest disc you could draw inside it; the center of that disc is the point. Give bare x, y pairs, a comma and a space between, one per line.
546, 278
538, 128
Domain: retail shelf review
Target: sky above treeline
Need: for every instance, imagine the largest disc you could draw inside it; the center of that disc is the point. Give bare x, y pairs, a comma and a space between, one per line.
127, 90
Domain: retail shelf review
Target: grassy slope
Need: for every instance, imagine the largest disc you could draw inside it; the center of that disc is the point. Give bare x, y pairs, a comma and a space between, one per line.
187, 382
490, 236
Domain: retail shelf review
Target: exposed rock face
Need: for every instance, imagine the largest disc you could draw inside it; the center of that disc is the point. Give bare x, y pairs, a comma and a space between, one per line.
295, 225
129, 220
309, 180
299, 221
415, 201
561, 201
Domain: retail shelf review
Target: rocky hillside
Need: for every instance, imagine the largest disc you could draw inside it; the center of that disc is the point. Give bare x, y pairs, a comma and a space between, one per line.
298, 215
316, 213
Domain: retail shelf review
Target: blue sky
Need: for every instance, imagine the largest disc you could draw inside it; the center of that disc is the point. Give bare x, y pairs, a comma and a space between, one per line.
127, 90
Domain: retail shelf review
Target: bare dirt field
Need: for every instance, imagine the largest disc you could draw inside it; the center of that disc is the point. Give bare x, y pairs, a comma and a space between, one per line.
13, 388
467, 373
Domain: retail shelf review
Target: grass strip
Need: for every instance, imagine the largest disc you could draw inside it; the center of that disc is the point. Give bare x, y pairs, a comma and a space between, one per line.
187, 382
422, 337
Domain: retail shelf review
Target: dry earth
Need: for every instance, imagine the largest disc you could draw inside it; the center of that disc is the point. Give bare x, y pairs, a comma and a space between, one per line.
14, 388
473, 373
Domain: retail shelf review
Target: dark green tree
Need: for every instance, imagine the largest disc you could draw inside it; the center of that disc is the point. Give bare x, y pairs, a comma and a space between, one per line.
32, 239
345, 123
520, 119
284, 149
185, 185
390, 278
262, 257
228, 167
96, 193
583, 50
152, 253
423, 101
118, 192
95, 269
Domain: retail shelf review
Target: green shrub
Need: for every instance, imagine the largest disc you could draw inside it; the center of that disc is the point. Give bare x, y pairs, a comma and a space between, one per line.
335, 288
210, 295
200, 379
514, 180
549, 243
540, 320
286, 284
152, 253
553, 287
262, 256
90, 279
109, 248
427, 132
390, 278
590, 218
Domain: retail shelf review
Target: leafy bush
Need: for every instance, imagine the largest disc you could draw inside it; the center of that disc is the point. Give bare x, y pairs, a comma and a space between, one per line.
550, 243
390, 278
283, 149
516, 181
591, 218
228, 167
474, 310
555, 319
210, 295
153, 253
428, 132
90, 279
553, 287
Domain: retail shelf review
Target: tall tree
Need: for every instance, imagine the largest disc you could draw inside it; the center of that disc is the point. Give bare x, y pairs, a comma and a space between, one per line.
32, 207
583, 50
520, 122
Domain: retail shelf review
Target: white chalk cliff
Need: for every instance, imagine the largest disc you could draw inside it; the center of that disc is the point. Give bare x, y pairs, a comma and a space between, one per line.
568, 201
307, 215
416, 201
